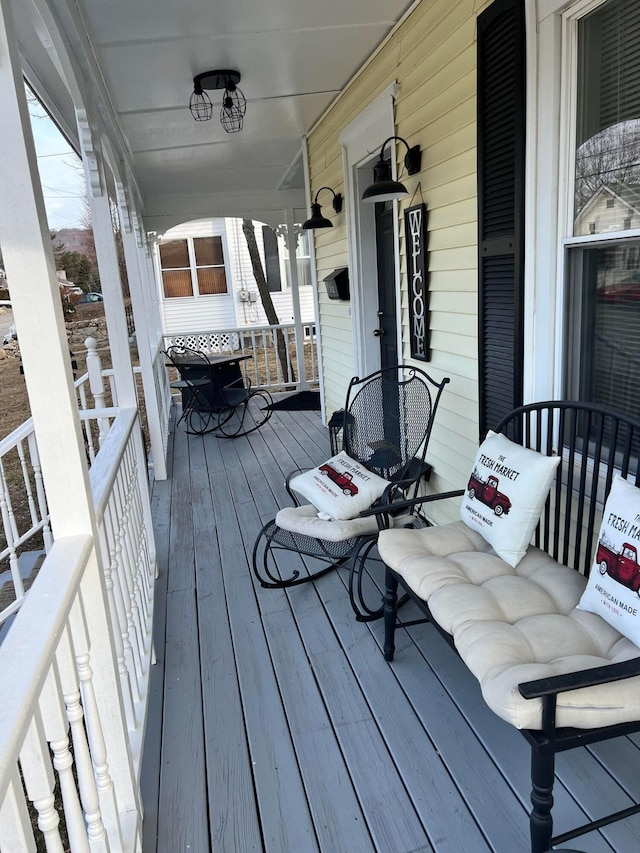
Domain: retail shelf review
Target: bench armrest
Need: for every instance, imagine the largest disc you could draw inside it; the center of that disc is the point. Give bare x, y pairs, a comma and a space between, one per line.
582, 678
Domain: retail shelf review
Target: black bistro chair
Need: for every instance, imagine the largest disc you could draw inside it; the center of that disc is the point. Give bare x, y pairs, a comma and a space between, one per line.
213, 402
387, 423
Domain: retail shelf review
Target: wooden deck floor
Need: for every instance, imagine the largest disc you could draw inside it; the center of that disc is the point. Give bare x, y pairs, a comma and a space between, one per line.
275, 724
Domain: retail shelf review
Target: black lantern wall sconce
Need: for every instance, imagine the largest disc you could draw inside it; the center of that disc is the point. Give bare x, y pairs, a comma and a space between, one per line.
234, 103
384, 188
317, 219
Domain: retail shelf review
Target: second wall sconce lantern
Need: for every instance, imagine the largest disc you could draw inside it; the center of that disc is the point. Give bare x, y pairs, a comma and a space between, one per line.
317, 219
234, 103
384, 188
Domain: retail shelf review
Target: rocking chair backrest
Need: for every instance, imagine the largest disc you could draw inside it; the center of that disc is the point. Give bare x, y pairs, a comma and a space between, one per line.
388, 419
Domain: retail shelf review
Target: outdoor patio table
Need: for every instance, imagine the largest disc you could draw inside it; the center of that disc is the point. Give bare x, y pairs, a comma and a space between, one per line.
223, 371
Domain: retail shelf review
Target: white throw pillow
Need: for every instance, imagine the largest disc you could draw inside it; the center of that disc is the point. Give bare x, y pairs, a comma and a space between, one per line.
506, 493
614, 580
341, 487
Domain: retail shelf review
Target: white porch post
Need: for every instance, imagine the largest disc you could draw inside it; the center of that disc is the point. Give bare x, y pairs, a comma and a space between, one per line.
28, 256
146, 346
107, 256
292, 244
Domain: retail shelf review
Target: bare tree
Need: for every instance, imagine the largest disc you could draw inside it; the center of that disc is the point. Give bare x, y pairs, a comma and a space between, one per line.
611, 156
265, 295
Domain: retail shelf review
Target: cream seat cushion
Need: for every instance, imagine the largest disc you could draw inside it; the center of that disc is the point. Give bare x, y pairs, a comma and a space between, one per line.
512, 625
304, 520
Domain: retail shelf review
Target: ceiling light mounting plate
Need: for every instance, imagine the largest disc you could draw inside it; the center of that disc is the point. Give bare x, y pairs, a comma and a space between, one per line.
216, 79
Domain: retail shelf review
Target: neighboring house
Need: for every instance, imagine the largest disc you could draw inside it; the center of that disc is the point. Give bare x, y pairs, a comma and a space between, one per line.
206, 280
612, 207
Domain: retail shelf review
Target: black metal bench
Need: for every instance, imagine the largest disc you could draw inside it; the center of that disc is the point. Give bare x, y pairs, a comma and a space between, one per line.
594, 443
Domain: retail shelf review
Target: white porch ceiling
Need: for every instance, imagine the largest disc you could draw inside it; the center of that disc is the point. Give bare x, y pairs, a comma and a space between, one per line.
294, 58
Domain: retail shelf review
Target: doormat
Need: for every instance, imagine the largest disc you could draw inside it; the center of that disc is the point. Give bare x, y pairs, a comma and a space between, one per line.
302, 401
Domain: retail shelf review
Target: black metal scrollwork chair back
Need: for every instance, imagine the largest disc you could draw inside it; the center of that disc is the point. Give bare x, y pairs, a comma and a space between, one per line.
192, 367
388, 418
211, 403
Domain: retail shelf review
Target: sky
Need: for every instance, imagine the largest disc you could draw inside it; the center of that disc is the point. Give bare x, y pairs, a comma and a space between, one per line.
60, 170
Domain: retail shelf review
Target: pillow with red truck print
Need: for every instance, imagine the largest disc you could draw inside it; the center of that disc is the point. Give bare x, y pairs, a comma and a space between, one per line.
614, 581
506, 493
340, 488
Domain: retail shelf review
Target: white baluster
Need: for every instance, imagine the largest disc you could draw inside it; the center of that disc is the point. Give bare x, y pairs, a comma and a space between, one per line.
94, 369
56, 727
27, 482
86, 424
102, 782
10, 532
123, 574
119, 623
35, 762
40, 492
15, 825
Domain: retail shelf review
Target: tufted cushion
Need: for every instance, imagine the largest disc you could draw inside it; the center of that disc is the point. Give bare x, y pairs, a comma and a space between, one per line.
304, 520
512, 625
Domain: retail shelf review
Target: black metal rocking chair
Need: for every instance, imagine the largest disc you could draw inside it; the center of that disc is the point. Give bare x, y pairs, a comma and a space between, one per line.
209, 403
387, 423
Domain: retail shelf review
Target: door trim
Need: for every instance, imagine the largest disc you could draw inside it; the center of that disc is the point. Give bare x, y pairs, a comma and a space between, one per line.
361, 141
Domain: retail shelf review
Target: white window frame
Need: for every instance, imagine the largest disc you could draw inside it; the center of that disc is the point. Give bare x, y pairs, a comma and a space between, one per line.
552, 43
193, 267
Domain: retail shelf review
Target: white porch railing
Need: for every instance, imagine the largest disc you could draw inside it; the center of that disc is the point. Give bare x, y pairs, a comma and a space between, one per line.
264, 367
25, 534
77, 660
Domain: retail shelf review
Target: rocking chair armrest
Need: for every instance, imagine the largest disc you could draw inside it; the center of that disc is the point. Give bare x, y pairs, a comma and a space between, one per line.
413, 502
582, 678
290, 475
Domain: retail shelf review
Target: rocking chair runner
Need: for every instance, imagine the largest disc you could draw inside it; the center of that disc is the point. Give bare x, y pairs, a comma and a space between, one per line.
210, 405
388, 418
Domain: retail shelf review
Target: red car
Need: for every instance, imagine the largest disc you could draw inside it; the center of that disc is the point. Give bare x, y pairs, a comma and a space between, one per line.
343, 481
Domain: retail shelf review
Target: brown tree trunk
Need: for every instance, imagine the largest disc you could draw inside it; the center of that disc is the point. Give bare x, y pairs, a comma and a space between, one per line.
265, 296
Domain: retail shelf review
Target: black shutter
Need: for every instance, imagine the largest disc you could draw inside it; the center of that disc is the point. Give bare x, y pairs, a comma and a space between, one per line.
272, 260
501, 137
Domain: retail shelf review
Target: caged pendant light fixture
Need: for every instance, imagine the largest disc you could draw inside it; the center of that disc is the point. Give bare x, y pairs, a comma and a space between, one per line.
234, 103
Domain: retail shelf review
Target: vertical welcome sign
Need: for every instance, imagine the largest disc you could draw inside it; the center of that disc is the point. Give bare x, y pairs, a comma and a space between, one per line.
415, 230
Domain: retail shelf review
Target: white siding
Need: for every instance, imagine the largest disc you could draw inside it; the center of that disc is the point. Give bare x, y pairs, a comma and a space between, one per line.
228, 311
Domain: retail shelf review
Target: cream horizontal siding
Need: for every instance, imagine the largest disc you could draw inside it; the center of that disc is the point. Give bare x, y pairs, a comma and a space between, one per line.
432, 57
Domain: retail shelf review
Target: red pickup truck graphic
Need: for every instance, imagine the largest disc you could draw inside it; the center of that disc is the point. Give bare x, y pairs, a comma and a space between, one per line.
622, 567
487, 492
344, 481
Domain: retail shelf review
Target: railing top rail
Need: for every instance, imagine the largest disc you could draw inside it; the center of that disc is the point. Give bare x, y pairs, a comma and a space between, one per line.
25, 653
19, 434
227, 330
104, 470
106, 412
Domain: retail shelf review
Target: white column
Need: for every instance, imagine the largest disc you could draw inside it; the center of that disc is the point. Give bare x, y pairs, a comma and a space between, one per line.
292, 244
145, 344
107, 257
37, 308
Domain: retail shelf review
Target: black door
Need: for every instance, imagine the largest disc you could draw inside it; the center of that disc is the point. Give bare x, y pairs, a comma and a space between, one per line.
387, 330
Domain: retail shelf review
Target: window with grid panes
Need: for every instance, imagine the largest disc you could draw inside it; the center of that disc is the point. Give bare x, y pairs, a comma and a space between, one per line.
176, 268
193, 267
602, 356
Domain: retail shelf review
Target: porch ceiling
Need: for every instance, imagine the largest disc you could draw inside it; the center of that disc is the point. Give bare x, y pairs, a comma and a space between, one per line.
139, 59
